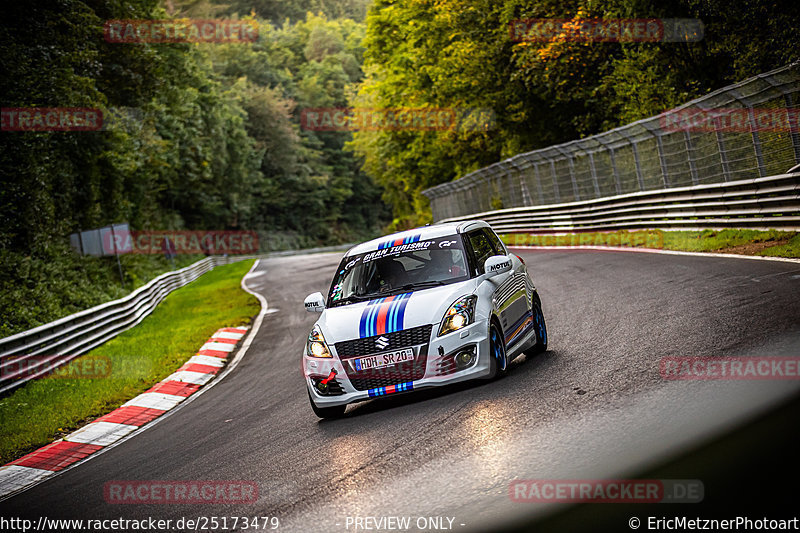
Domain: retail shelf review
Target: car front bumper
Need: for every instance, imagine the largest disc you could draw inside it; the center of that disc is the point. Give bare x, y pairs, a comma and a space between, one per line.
441, 350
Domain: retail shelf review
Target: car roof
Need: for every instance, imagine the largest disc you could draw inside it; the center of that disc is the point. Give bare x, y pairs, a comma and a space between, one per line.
417, 234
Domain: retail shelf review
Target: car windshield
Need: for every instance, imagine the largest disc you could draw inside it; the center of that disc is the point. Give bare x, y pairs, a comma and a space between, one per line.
399, 266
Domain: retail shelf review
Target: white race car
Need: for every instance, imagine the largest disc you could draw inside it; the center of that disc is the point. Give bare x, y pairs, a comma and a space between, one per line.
422, 308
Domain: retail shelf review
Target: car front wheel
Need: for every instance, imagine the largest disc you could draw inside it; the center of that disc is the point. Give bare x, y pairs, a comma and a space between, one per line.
498, 360
337, 411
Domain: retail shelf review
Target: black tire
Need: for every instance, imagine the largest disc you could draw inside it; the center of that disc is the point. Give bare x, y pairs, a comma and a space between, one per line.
336, 411
539, 326
498, 357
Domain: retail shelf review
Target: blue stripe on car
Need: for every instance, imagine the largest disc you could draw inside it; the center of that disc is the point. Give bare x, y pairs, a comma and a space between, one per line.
399, 313
395, 316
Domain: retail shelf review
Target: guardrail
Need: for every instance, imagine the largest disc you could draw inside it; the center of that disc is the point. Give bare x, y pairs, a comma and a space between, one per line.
761, 203
36, 352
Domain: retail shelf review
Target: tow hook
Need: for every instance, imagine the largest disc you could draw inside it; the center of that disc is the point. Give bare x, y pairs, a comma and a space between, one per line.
330, 377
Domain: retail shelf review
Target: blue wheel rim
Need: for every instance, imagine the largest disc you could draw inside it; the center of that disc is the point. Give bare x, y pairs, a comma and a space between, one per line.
498, 351
541, 330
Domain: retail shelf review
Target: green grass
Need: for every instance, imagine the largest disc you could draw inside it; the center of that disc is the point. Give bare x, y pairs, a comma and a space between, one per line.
48, 408
714, 241
775, 243
790, 249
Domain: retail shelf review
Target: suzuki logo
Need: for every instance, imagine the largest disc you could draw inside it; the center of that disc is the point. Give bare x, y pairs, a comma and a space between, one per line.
381, 342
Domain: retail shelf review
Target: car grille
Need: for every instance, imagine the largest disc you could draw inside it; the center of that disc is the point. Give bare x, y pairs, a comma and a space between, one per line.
393, 375
395, 341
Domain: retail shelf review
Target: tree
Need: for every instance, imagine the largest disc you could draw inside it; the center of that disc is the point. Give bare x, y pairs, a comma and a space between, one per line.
460, 54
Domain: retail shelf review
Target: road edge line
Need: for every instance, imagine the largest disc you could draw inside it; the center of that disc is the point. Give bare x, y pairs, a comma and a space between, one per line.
659, 251
248, 340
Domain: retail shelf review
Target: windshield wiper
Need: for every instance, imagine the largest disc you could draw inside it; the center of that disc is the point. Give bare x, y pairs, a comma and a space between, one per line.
420, 285
352, 298
373, 295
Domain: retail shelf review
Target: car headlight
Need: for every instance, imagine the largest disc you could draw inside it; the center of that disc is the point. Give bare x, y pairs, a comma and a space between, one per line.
316, 346
459, 315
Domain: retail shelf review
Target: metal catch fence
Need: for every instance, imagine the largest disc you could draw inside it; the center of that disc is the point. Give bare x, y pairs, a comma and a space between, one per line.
744, 131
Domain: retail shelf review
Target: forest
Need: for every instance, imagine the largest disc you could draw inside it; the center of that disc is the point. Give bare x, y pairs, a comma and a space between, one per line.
209, 136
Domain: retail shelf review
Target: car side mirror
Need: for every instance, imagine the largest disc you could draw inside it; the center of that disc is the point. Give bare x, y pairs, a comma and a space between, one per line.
497, 264
315, 303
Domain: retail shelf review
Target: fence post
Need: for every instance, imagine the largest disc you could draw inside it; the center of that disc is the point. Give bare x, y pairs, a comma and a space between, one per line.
614, 171
594, 175
575, 192
762, 169
523, 186
617, 180
690, 157
440, 206
662, 160
512, 198
555, 180
497, 186
636, 161
792, 118
723, 151
538, 179
794, 127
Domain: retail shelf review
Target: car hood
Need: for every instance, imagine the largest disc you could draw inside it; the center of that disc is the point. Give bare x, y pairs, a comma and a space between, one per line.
394, 313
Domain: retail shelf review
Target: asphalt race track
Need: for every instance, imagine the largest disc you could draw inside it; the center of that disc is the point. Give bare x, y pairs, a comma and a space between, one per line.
594, 406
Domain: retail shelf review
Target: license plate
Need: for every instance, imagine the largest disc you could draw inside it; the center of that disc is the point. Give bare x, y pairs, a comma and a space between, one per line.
381, 360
